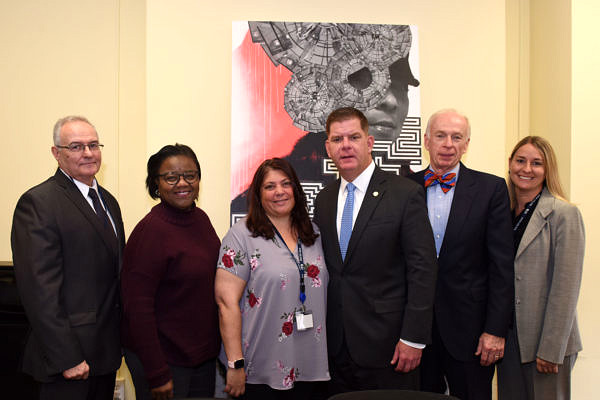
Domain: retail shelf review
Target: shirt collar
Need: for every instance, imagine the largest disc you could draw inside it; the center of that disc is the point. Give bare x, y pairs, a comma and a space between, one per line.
362, 181
83, 187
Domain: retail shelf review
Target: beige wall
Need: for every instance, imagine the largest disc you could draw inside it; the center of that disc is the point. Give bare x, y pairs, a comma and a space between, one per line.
72, 57
550, 78
585, 142
58, 58
148, 73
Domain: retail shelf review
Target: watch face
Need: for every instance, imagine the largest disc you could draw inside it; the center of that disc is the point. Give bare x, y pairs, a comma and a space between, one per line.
238, 363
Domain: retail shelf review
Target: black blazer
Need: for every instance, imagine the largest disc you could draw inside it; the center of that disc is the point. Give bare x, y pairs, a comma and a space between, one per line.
384, 289
67, 268
475, 278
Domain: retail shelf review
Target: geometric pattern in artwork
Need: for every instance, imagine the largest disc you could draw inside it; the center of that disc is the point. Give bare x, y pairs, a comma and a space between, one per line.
311, 189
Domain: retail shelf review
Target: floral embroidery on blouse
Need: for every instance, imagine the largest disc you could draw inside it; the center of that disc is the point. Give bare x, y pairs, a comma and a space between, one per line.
290, 374
284, 281
288, 325
230, 257
253, 300
312, 271
318, 330
254, 263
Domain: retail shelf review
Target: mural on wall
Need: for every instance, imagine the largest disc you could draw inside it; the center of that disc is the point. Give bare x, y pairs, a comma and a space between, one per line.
288, 76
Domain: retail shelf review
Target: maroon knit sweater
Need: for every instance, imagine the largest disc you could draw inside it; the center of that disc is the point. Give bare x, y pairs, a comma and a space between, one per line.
167, 286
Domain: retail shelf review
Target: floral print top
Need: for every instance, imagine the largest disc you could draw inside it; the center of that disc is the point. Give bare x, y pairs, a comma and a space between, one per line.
276, 353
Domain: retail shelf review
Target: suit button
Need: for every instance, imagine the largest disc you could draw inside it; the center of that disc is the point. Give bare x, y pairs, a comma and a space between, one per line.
518, 277
518, 301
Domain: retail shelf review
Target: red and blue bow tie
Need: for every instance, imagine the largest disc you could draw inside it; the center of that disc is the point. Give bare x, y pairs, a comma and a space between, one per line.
446, 181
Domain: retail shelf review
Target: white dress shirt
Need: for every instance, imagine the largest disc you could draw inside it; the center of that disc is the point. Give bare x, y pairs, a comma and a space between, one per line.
362, 183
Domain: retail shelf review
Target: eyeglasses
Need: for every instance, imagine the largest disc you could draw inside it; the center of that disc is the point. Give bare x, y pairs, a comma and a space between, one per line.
172, 179
79, 147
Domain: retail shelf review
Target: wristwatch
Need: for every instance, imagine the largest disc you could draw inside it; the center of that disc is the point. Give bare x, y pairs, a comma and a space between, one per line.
237, 364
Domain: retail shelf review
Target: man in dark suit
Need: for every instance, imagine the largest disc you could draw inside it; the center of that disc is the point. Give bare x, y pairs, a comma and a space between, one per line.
67, 238
381, 260
470, 217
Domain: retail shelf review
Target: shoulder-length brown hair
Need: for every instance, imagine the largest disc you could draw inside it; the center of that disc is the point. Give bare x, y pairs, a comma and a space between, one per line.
257, 220
551, 178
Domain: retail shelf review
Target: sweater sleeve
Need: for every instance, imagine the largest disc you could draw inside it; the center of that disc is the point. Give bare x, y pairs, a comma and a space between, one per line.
144, 265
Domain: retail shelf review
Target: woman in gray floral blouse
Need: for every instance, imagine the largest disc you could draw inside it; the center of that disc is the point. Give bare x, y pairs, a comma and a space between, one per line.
271, 289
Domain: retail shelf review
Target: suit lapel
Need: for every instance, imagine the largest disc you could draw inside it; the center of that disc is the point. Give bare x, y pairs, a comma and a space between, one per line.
419, 177
537, 222
73, 193
367, 208
464, 193
329, 230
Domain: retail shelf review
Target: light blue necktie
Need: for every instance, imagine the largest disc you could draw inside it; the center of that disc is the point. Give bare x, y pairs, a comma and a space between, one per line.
346, 225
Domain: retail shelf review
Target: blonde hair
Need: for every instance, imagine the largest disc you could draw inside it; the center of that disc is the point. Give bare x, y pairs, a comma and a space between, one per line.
551, 178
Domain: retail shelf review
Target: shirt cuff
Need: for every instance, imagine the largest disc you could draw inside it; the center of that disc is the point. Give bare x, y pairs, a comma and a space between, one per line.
420, 346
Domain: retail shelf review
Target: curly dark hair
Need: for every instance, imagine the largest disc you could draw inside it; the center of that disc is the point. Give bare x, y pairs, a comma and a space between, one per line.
156, 160
257, 220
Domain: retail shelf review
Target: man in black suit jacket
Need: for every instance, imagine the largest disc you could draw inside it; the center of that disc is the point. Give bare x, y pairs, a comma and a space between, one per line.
470, 217
380, 294
67, 238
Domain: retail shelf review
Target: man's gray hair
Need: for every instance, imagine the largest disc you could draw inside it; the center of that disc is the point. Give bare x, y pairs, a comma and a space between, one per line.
447, 111
65, 120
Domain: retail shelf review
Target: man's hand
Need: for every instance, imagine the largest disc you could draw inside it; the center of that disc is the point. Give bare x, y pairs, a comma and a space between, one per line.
80, 371
546, 367
163, 392
407, 357
235, 382
490, 348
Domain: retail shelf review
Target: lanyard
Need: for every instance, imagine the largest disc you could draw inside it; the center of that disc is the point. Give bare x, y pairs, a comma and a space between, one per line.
526, 211
299, 264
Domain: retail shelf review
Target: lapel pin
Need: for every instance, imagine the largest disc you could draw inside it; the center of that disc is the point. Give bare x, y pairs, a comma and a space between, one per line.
375, 194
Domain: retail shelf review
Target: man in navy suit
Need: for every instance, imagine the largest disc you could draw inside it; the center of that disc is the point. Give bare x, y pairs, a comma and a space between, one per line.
471, 223
380, 255
67, 238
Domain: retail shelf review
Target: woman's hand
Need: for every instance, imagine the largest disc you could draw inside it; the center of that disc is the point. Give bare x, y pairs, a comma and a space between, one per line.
236, 382
546, 367
163, 392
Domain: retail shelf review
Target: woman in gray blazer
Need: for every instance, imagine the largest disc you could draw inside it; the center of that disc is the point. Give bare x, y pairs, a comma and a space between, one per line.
549, 237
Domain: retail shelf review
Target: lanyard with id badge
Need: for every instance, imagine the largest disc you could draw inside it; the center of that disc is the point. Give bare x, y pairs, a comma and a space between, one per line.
303, 317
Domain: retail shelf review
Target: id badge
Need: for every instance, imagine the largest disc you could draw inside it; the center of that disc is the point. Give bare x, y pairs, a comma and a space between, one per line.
304, 320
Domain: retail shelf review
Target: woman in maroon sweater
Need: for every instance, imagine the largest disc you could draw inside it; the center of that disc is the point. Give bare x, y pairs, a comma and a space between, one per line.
170, 323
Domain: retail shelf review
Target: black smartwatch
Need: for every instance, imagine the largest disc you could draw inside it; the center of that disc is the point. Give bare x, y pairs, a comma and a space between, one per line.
237, 364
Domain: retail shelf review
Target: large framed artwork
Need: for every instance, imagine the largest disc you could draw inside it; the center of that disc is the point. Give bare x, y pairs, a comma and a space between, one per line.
288, 76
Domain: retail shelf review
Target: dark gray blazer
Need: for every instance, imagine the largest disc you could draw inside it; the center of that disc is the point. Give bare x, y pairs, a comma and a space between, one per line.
67, 269
384, 289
